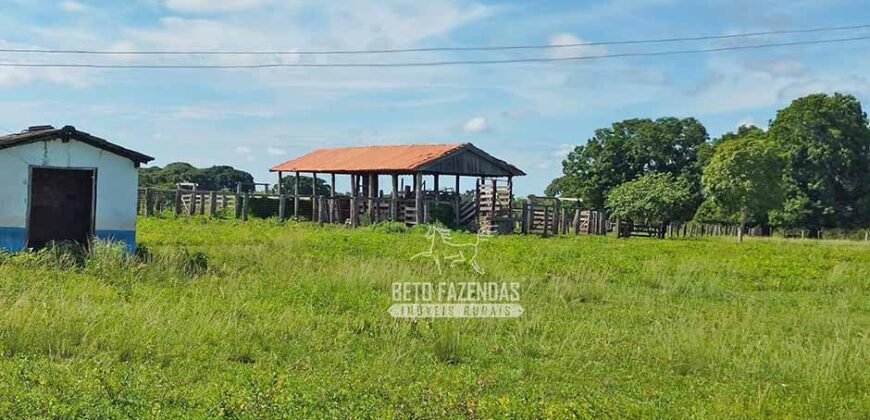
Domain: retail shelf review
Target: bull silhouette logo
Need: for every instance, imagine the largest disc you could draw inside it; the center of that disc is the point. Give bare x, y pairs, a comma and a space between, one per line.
443, 250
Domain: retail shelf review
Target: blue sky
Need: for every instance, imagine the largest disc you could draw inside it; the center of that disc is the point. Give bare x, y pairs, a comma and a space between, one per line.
528, 114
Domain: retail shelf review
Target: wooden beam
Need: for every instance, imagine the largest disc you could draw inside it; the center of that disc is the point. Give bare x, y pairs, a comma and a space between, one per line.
418, 198
245, 206
296, 196
510, 185
314, 196
332, 198
147, 199
394, 203
354, 204
371, 194
212, 204
280, 181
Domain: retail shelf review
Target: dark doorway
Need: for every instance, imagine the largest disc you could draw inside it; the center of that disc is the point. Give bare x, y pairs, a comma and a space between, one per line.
61, 206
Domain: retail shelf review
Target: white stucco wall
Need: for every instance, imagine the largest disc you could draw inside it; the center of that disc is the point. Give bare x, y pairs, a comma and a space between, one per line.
117, 181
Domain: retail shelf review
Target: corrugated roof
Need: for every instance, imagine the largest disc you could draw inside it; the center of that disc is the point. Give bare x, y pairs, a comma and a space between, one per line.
368, 159
40, 133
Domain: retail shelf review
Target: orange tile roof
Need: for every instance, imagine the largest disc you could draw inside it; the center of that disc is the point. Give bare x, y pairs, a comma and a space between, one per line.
367, 159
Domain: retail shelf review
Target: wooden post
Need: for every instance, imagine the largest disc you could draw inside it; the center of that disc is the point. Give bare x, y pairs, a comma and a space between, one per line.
354, 212
282, 210
394, 203
510, 185
177, 202
296, 196
435, 185
524, 228
546, 219
494, 205
314, 196
212, 204
575, 222
245, 207
477, 200
202, 204
354, 205
418, 198
556, 209
332, 206
191, 209
371, 194
280, 182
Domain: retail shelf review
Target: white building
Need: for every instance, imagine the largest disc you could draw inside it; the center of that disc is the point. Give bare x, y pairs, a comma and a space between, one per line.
65, 184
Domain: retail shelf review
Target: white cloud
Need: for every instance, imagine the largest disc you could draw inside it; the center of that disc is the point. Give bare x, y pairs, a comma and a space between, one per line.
243, 150
565, 38
475, 125
272, 151
72, 6
212, 5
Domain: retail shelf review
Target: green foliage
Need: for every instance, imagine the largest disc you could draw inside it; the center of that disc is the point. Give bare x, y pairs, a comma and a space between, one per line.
742, 180
825, 143
290, 321
214, 179
288, 185
630, 149
389, 227
652, 198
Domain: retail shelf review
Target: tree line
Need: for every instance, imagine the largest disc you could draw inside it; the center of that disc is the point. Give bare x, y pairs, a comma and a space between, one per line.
218, 178
809, 170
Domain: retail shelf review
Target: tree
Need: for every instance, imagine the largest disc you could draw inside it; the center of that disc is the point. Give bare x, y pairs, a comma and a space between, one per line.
825, 143
214, 178
743, 179
630, 149
288, 185
657, 198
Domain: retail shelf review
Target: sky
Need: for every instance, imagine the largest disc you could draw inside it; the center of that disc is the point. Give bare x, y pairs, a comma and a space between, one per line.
531, 115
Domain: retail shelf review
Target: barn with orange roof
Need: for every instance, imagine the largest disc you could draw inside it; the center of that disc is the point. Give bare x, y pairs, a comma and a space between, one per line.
426, 165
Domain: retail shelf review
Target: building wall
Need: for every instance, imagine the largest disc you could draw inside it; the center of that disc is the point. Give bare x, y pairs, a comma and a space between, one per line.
117, 181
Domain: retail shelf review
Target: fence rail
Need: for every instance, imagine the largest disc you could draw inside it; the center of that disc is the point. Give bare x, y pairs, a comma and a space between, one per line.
545, 216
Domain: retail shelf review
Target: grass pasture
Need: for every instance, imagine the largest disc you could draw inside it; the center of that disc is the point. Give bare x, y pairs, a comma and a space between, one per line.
262, 320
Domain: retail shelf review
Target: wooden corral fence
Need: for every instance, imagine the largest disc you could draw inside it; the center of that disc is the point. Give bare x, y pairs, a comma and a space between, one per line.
317, 208
494, 206
558, 215
546, 216
189, 202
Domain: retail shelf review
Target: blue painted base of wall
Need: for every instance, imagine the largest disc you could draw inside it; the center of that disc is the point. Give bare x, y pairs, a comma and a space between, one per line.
12, 239
15, 239
128, 237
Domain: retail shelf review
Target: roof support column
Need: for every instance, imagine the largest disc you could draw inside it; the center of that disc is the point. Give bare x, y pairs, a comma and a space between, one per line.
372, 193
510, 185
435, 185
394, 203
332, 198
280, 179
314, 197
418, 198
296, 197
354, 205
457, 201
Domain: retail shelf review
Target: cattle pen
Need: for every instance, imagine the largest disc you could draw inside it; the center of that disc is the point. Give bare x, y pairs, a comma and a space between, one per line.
488, 205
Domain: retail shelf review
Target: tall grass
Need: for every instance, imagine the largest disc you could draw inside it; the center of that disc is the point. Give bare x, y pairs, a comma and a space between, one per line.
222, 318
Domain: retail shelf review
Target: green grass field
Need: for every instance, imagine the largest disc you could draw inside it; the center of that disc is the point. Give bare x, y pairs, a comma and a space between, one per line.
292, 320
